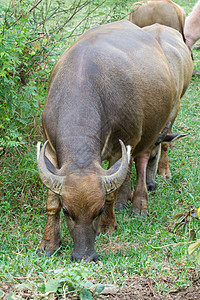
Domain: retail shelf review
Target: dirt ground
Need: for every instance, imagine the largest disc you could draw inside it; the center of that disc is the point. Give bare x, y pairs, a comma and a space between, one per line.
135, 288
142, 288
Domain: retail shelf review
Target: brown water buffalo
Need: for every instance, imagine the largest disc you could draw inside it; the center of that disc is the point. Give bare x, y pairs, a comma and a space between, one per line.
165, 12
115, 83
174, 51
180, 65
192, 26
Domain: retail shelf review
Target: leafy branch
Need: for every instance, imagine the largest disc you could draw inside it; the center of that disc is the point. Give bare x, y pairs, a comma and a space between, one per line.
187, 221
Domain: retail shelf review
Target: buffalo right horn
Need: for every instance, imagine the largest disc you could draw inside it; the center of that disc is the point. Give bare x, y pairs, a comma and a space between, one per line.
112, 182
52, 181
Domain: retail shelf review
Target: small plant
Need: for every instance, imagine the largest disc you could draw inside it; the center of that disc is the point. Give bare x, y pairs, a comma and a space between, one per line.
65, 281
187, 221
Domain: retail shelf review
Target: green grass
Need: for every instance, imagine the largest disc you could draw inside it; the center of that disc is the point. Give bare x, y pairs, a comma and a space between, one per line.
139, 247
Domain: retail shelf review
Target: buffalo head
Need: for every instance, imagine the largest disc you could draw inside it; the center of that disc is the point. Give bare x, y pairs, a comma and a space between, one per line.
82, 197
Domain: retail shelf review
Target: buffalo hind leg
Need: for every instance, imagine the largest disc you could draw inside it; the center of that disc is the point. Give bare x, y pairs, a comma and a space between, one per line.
139, 205
51, 240
163, 166
124, 194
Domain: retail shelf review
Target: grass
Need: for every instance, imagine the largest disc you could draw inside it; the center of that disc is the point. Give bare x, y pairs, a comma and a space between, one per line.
139, 247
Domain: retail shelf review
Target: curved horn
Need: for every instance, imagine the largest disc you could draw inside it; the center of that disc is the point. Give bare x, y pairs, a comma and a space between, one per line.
52, 181
112, 182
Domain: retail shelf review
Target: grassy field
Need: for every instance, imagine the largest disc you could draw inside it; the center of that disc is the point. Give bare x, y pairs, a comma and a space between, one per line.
139, 247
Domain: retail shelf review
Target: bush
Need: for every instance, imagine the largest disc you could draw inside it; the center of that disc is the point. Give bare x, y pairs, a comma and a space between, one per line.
30, 33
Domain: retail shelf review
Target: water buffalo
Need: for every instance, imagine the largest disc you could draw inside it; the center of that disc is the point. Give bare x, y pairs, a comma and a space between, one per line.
115, 83
165, 12
192, 26
175, 53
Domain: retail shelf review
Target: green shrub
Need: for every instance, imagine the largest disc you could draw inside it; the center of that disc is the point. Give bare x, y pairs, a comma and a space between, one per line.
30, 36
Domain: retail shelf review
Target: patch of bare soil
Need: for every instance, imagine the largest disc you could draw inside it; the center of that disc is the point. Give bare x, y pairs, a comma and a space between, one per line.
142, 288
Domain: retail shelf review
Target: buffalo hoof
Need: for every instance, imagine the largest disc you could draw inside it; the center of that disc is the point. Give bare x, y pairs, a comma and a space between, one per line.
140, 209
88, 258
165, 173
137, 213
47, 253
151, 186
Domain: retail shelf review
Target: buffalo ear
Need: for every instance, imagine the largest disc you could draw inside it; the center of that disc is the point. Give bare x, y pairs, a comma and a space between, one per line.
170, 137
173, 137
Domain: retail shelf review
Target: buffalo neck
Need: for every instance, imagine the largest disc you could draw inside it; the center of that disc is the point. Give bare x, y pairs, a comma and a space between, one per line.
79, 135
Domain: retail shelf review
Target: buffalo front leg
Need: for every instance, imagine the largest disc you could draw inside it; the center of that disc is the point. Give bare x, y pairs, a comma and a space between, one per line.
163, 166
108, 220
139, 206
51, 239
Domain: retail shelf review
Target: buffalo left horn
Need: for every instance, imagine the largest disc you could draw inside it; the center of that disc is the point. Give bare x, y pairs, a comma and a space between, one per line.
112, 182
52, 181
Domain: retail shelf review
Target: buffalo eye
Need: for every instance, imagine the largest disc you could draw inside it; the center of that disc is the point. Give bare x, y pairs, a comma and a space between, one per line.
65, 212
